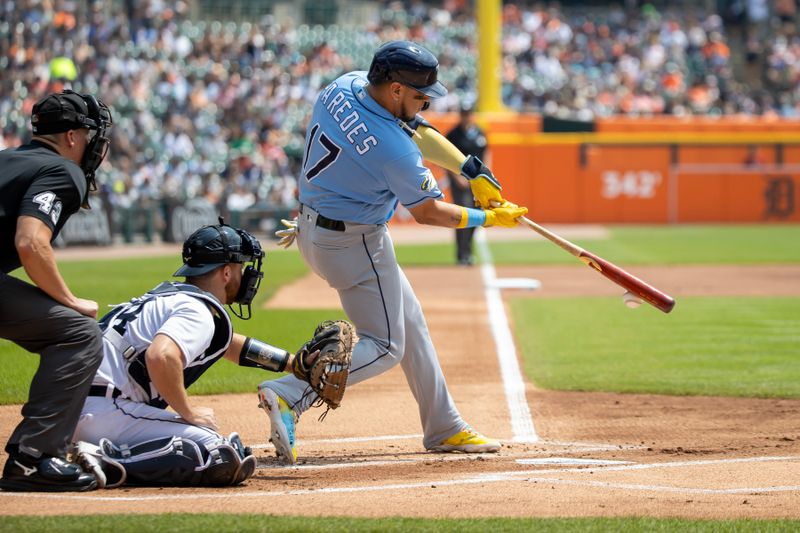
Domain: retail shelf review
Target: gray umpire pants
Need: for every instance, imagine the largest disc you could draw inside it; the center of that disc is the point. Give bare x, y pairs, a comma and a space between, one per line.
71, 349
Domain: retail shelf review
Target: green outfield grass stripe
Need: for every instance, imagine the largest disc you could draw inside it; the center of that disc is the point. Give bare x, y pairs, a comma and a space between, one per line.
639, 245
729, 346
246, 523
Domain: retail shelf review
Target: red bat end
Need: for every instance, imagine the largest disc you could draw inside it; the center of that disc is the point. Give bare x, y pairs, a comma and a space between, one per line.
628, 281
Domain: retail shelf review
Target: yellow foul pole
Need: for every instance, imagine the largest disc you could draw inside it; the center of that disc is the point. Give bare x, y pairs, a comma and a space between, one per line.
490, 30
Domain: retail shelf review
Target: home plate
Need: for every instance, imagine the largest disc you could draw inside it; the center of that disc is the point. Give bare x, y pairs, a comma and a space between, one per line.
517, 283
569, 461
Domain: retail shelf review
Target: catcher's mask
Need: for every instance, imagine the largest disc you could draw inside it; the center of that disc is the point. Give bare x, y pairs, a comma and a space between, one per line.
68, 110
211, 247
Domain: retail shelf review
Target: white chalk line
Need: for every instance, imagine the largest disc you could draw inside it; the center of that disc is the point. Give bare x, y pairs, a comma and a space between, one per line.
570, 461
663, 488
344, 440
377, 438
427, 458
526, 476
521, 419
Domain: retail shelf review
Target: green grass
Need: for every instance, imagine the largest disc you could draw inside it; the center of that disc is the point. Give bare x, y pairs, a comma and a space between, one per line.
706, 346
191, 523
631, 245
439, 254
714, 244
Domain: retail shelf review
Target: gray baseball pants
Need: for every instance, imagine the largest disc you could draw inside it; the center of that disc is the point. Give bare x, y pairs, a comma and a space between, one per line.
70, 348
360, 264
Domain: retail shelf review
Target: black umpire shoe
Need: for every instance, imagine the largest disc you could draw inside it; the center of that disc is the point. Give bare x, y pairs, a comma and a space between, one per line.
47, 474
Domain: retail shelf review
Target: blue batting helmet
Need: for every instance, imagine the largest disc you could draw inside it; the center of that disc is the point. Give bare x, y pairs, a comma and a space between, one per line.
408, 63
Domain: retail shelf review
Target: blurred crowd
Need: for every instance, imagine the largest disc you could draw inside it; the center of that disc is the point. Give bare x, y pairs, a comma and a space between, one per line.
218, 109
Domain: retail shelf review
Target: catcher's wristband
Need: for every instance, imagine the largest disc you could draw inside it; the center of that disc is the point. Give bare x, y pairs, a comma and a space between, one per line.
471, 218
260, 354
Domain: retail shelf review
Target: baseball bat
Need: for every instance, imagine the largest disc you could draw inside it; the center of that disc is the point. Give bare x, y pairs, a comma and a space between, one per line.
624, 279
435, 147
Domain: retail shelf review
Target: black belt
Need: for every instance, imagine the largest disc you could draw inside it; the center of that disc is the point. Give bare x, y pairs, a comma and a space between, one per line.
102, 391
328, 223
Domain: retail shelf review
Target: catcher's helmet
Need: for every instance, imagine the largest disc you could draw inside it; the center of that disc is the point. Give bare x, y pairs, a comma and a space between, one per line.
211, 247
407, 63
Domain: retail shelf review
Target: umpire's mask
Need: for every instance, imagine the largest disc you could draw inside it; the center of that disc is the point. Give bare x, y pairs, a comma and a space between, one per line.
68, 110
211, 247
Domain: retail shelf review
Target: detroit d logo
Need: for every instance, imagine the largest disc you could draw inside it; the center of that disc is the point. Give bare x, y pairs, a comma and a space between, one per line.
779, 197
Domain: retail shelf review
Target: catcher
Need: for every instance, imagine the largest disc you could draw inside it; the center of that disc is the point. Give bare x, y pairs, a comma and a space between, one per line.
157, 345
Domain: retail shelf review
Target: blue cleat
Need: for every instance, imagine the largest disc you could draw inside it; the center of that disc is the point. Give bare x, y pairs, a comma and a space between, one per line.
282, 419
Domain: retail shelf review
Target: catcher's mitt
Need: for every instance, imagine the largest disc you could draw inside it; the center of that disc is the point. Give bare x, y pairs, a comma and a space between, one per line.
324, 361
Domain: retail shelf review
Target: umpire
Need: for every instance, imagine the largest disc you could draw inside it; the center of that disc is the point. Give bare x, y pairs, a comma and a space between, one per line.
470, 139
42, 184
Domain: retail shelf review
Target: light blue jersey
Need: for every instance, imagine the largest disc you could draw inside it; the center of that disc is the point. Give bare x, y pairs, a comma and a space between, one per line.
359, 162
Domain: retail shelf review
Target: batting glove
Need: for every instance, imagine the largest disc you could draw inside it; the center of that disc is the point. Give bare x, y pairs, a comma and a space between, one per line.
288, 235
505, 215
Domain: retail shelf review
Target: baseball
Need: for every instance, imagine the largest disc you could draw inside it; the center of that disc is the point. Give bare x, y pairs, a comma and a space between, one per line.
631, 300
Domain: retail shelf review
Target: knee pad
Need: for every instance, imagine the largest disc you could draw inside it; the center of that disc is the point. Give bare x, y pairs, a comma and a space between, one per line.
175, 461
238, 445
170, 461
226, 467
230, 462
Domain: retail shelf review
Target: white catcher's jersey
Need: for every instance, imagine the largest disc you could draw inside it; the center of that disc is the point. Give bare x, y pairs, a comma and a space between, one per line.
185, 319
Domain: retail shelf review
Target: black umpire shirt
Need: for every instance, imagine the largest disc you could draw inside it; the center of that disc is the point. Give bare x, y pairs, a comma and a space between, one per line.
37, 181
470, 140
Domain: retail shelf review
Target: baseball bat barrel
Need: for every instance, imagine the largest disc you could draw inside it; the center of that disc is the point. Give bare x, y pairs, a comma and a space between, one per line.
624, 279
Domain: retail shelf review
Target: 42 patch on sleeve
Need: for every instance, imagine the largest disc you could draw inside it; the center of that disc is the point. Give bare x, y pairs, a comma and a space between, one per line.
49, 204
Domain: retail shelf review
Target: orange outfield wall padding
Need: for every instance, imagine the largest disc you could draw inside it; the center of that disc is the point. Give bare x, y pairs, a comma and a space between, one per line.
640, 170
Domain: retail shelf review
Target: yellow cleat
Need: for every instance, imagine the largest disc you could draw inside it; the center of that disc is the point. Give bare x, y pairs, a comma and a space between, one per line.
468, 441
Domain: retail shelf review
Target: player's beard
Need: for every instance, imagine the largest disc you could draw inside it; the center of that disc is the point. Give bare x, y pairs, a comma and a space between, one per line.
404, 114
408, 118
232, 288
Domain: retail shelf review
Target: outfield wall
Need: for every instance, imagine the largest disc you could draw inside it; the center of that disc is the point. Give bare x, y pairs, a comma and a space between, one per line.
658, 170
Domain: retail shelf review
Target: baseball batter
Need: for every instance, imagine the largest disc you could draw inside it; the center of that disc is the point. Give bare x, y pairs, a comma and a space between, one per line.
360, 161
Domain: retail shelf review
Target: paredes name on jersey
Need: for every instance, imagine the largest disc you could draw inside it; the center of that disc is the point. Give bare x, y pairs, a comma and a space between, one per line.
348, 119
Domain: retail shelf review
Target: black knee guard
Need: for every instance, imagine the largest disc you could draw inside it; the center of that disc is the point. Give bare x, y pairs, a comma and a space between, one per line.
168, 461
175, 461
223, 467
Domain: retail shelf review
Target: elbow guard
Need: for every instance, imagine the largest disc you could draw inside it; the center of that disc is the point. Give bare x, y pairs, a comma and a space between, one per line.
473, 168
260, 354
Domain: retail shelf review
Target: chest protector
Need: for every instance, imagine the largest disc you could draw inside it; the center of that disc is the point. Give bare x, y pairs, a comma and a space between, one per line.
115, 323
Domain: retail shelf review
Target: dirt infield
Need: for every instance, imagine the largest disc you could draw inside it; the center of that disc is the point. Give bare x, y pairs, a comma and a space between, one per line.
597, 454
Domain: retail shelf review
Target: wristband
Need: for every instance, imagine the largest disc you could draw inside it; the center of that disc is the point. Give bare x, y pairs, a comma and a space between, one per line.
256, 353
471, 218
